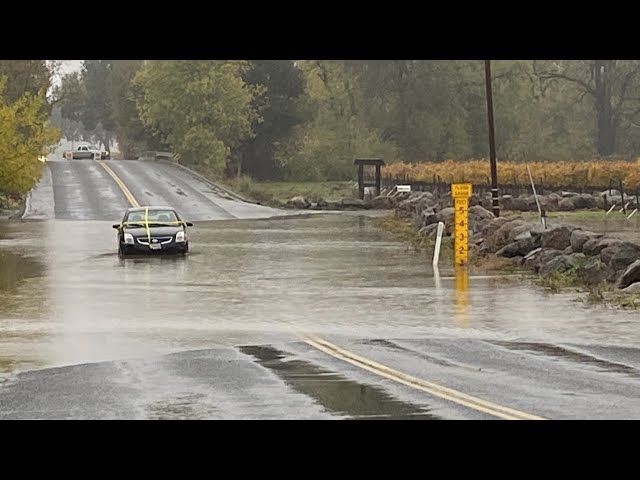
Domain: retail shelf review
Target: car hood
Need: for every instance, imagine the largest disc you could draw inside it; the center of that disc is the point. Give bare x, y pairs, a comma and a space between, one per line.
155, 231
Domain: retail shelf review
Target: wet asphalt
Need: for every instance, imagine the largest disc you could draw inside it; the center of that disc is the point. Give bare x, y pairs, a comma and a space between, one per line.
220, 334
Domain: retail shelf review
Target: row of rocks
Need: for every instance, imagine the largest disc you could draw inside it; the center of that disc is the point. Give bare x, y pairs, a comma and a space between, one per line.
417, 201
406, 201
560, 201
595, 257
300, 202
381, 202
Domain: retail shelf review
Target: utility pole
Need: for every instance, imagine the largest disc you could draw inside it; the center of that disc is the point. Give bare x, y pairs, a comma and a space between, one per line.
492, 140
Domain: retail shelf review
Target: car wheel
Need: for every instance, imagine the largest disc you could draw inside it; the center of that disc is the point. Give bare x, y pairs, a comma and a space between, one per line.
123, 251
186, 249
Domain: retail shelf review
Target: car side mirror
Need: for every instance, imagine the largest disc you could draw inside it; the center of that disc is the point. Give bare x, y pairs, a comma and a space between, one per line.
188, 224
116, 226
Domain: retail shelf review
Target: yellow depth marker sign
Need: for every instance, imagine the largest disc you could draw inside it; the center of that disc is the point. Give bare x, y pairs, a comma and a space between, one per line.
461, 193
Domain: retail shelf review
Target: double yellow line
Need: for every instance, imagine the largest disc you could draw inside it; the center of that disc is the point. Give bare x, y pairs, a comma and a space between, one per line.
431, 388
132, 200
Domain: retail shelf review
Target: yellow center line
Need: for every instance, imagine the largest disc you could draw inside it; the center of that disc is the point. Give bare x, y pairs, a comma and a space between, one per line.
123, 187
419, 384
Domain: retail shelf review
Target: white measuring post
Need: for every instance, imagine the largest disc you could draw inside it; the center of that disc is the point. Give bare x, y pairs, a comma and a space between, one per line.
436, 277
535, 195
611, 209
436, 251
632, 214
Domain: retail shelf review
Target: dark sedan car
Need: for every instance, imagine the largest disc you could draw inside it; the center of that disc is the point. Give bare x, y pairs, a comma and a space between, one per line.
152, 230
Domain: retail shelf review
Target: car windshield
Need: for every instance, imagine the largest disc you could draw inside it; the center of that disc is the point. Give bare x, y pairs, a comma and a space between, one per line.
153, 217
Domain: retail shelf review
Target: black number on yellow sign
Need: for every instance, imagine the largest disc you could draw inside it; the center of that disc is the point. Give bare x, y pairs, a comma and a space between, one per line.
461, 250
461, 210
462, 236
462, 224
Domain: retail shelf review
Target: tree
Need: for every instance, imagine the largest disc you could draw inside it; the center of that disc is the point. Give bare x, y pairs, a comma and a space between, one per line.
25, 76
132, 136
97, 107
71, 97
282, 84
202, 108
24, 137
337, 130
609, 84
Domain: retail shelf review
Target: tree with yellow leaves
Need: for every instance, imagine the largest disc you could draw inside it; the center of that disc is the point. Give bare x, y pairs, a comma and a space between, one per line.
24, 137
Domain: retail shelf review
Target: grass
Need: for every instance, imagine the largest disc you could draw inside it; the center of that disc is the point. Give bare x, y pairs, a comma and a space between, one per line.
604, 294
558, 281
278, 193
629, 301
493, 263
403, 230
597, 293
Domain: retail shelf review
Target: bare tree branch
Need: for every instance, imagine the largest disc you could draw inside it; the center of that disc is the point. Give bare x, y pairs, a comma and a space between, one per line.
623, 90
547, 76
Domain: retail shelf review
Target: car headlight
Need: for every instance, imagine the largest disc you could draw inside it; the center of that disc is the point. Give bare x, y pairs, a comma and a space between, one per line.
128, 238
180, 237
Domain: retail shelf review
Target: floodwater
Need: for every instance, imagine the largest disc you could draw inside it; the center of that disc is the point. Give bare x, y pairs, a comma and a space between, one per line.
66, 297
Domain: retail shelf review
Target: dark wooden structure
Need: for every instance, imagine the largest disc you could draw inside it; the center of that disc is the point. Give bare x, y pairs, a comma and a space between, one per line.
361, 162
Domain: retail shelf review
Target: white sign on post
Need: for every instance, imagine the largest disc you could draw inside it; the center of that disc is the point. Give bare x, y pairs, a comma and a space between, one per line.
403, 188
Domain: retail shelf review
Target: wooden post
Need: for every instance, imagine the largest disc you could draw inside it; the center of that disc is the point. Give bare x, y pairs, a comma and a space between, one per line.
378, 169
492, 141
624, 210
361, 181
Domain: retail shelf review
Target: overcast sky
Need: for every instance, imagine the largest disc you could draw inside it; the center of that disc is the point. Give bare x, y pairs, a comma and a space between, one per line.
69, 66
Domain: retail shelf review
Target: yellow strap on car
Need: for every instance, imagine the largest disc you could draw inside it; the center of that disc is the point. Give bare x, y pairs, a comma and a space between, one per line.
146, 223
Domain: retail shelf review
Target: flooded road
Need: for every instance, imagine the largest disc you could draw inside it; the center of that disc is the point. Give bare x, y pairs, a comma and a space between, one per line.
68, 299
319, 316
251, 280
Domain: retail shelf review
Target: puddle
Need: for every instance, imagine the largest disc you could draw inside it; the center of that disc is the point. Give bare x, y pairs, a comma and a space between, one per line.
335, 392
572, 356
176, 409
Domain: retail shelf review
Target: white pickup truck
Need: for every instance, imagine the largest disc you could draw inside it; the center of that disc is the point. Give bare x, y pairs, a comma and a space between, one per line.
86, 151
